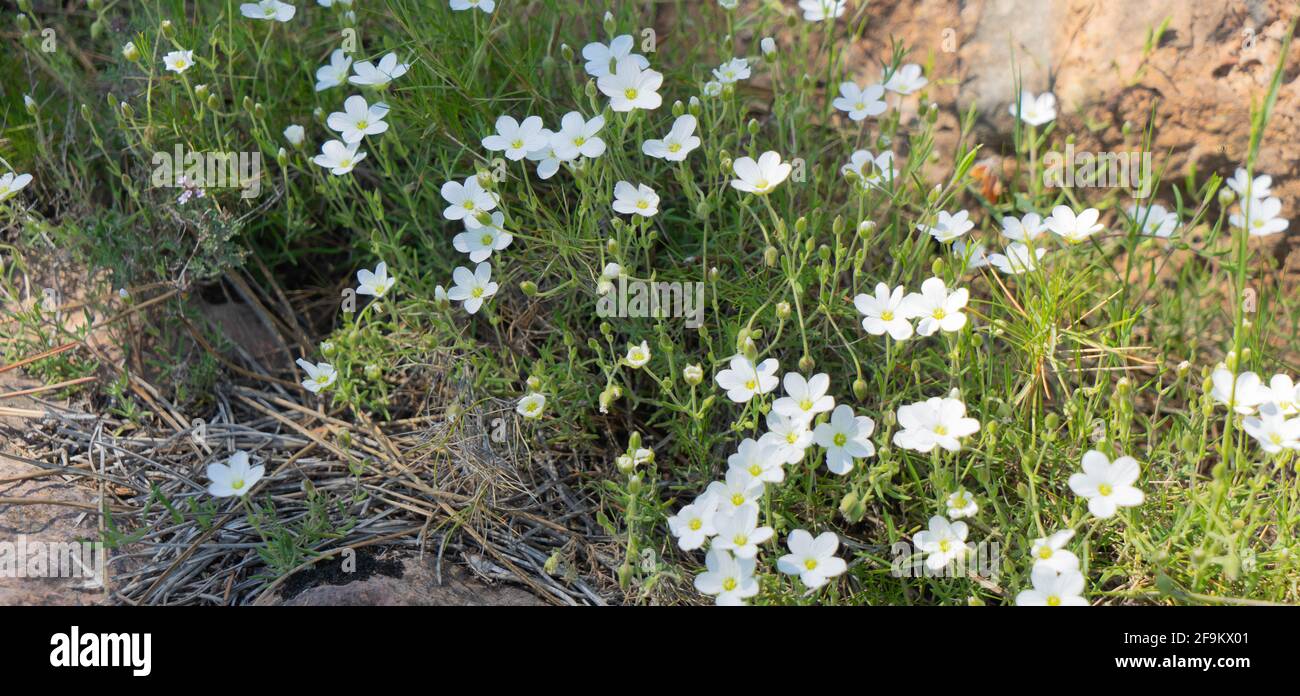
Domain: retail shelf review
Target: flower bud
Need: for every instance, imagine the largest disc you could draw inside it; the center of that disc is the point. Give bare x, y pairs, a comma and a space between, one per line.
783, 310
767, 45
693, 374
130, 52
860, 389
166, 28
566, 52
806, 363
371, 371
528, 287
770, 256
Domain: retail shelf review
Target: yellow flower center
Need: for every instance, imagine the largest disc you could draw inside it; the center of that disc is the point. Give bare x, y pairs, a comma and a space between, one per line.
237, 484
630, 93
750, 384
1105, 489
810, 563
361, 125
840, 439
1275, 438
729, 584
638, 355
674, 147
695, 524
806, 404
939, 314
1045, 552
737, 499
643, 204
345, 162
887, 315
792, 437
476, 292
761, 184
486, 239
945, 545
940, 430
859, 106
1053, 601
740, 540
579, 140
755, 470
516, 143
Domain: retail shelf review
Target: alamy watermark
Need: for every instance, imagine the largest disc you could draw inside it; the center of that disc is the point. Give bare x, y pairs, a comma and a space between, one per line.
655, 299
1072, 169
31, 558
195, 172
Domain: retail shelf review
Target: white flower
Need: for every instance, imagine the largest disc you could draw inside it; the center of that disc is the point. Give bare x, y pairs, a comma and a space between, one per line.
339, 157
886, 312
179, 61
548, 161
712, 88
637, 355
757, 460
377, 283
1053, 589
736, 490
472, 288
577, 137
1051, 552
467, 201
677, 144
1272, 430
357, 119
821, 10
1074, 228
877, 171
1035, 110
761, 176
693, 524
744, 379
235, 477
767, 45
486, 5
604, 60
319, 375
1017, 259
365, 73
738, 531
635, 200
813, 560
1264, 217
1025, 229
937, 421
11, 183
516, 139
1155, 221
1107, 486
976, 258
610, 274
789, 438
268, 10
294, 134
906, 79
531, 406
949, 227
1285, 393
860, 102
631, 87
845, 438
730, 580
942, 542
335, 73
961, 504
481, 241
1249, 391
732, 71
936, 307
1259, 188
805, 398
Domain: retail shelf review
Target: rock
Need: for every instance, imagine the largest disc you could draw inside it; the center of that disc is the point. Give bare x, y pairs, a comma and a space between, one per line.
418, 585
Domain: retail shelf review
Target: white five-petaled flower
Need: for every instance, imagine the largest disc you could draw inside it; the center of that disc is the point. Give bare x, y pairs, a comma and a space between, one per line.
1272, 429
789, 438
179, 61
319, 375
339, 157
479, 242
1107, 485
677, 144
532, 405
1243, 394
577, 137
1035, 110
358, 119
735, 490
860, 102
236, 477
637, 355
1050, 551
805, 398
822, 10
1074, 228
472, 288
631, 87
1260, 187
11, 183
942, 542
486, 5
937, 421
1023, 229
760, 176
949, 227
467, 201
635, 200
976, 257
758, 460
1284, 392
268, 10
872, 171
730, 580
1154, 220
885, 313
712, 88
693, 524
906, 79
375, 283
936, 307
812, 559
367, 74
961, 504
1260, 217
743, 379
1017, 259
731, 71
547, 159
604, 59
1053, 589
845, 438
517, 139
334, 74
738, 531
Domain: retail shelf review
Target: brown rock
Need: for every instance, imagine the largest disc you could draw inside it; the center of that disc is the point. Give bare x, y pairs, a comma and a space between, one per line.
418, 585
